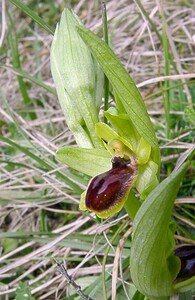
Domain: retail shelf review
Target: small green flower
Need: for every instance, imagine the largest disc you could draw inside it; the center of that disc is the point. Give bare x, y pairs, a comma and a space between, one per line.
138, 168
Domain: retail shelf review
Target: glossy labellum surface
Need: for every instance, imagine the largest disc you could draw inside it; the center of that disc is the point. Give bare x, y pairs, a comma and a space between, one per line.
108, 189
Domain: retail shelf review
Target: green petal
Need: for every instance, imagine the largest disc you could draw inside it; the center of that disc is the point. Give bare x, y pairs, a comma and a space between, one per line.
107, 134
143, 152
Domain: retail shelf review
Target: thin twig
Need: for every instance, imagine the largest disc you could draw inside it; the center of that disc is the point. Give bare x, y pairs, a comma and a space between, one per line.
62, 270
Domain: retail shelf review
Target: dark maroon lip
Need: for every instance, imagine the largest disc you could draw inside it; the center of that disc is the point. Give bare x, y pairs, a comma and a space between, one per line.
186, 253
107, 189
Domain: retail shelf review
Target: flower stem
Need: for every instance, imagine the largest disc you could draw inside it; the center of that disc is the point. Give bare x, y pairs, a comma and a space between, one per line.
106, 81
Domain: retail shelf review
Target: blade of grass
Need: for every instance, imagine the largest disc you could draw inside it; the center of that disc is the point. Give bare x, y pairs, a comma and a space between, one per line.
50, 165
13, 42
80, 242
116, 234
172, 87
152, 24
17, 125
25, 75
43, 165
43, 221
167, 83
95, 288
32, 15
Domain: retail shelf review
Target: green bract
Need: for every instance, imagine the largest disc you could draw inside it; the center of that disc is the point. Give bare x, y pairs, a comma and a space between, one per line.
75, 76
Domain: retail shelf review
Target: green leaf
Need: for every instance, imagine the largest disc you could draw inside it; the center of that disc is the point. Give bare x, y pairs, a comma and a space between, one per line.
138, 296
23, 292
88, 161
189, 115
9, 245
186, 296
153, 265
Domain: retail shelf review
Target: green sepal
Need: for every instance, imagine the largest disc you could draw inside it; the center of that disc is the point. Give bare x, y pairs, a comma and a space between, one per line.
88, 161
152, 257
124, 127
